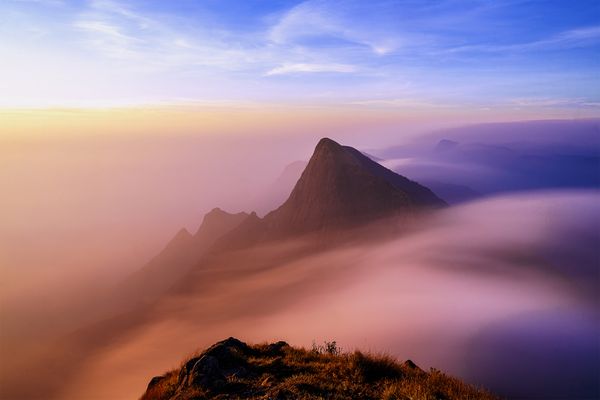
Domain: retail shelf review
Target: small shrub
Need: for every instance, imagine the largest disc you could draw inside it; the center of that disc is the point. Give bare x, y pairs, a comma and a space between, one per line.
327, 347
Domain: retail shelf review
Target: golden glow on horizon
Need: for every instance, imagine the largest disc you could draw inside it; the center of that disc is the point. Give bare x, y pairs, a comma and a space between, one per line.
185, 119
242, 119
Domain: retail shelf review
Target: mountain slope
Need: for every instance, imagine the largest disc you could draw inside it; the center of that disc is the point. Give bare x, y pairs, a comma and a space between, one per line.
178, 256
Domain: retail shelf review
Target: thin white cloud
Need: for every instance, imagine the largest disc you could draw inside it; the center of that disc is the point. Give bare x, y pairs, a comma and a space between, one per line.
113, 30
552, 102
574, 38
116, 8
580, 34
310, 68
109, 38
401, 103
145, 42
315, 18
104, 28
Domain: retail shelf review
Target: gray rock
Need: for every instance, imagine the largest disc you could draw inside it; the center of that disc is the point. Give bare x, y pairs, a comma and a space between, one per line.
206, 372
212, 368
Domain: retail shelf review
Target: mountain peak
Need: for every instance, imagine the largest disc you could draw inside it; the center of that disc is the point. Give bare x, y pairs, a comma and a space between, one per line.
328, 149
217, 222
182, 234
445, 145
215, 212
326, 144
341, 187
182, 238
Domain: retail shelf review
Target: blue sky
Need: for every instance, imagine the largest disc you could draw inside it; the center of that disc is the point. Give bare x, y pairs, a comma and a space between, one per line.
386, 53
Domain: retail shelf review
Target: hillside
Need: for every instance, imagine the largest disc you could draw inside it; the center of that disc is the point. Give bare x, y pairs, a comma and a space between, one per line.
231, 369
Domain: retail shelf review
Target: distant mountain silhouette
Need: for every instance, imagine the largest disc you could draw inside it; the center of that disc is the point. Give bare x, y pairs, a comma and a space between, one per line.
451, 193
444, 145
504, 157
178, 256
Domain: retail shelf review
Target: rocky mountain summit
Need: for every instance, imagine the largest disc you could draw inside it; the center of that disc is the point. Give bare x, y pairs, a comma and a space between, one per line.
232, 369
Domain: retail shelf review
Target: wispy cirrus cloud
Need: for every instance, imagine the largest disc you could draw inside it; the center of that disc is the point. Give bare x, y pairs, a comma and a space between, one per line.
310, 68
552, 102
126, 34
109, 38
574, 38
318, 19
116, 31
401, 103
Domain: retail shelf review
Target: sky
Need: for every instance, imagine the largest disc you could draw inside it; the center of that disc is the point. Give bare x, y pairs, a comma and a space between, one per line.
429, 56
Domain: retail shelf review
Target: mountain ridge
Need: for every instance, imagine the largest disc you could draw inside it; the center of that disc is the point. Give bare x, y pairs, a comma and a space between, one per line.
340, 188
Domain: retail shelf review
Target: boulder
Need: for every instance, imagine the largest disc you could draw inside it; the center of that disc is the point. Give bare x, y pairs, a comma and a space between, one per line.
210, 370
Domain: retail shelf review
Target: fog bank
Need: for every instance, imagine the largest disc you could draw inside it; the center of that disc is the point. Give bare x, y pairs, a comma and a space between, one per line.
501, 292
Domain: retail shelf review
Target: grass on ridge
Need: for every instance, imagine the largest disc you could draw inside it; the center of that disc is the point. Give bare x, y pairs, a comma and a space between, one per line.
323, 372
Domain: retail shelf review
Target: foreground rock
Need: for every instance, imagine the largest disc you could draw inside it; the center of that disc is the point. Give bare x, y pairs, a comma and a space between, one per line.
231, 369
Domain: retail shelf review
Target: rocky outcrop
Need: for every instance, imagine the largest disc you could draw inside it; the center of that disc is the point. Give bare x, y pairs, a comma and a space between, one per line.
222, 361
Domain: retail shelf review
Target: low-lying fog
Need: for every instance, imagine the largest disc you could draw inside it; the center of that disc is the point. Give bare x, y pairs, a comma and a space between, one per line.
501, 292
